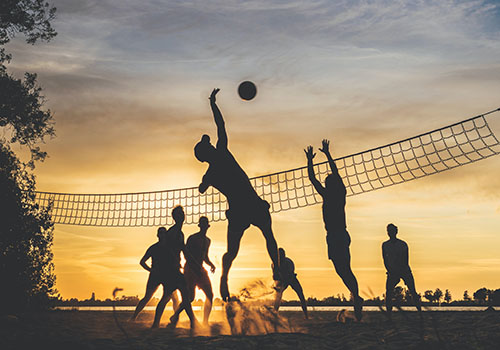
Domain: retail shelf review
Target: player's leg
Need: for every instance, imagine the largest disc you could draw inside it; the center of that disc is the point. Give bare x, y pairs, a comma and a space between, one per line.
341, 258
167, 293
390, 284
295, 284
177, 309
234, 234
264, 223
206, 287
280, 288
186, 302
189, 277
151, 287
410, 283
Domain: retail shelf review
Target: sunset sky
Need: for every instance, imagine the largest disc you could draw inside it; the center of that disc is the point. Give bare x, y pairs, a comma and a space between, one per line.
128, 83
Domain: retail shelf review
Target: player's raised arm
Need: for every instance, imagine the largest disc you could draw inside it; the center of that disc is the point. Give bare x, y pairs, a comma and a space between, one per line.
325, 148
310, 170
219, 121
146, 256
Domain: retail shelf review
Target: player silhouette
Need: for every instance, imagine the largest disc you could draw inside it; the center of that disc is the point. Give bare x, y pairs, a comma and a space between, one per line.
165, 269
245, 206
337, 237
196, 250
288, 278
395, 253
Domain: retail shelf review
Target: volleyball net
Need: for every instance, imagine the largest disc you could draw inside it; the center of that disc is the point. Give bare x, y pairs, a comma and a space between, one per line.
435, 151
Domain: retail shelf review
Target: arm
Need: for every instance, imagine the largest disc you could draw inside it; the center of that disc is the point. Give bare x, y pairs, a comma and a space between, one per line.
310, 170
219, 121
207, 259
146, 256
204, 184
406, 256
333, 167
384, 255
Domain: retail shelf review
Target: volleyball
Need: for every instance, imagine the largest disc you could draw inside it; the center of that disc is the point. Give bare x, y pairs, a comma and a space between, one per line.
247, 90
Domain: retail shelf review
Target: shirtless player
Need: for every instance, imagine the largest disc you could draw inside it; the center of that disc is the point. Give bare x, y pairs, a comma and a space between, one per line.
245, 206
395, 253
195, 274
337, 237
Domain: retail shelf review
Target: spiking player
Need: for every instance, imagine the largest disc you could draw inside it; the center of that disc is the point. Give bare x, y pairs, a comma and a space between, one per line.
245, 206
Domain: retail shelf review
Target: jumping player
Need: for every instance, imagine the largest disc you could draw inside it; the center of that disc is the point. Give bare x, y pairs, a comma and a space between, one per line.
245, 206
337, 237
288, 278
395, 253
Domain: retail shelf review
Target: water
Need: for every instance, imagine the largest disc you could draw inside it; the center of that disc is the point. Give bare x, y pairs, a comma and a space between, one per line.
283, 308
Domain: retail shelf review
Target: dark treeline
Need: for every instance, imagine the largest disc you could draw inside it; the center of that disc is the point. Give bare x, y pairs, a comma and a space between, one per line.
481, 297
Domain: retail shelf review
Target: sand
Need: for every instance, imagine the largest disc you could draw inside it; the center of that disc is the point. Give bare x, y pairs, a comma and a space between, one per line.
324, 330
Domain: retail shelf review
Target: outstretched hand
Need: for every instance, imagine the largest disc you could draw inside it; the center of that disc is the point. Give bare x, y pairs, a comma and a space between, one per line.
325, 146
212, 95
309, 153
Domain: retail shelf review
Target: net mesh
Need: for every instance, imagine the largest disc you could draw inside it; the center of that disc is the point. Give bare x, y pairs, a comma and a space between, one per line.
433, 152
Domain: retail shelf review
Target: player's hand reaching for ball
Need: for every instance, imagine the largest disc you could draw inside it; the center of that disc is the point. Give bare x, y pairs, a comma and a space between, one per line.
325, 146
309, 153
212, 95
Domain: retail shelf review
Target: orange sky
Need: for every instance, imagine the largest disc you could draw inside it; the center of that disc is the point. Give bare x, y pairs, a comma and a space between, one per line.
128, 89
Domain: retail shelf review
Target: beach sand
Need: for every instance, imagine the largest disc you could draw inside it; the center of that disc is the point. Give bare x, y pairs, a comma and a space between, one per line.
324, 330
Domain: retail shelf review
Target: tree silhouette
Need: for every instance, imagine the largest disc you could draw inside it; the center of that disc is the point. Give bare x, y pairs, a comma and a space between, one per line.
26, 267
447, 296
480, 295
438, 294
466, 296
429, 295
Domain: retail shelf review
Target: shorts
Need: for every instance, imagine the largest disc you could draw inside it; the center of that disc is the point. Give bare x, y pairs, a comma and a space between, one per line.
171, 280
196, 278
338, 243
406, 276
240, 216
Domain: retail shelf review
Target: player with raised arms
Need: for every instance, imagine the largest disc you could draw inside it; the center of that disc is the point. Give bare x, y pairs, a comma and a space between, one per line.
337, 237
245, 206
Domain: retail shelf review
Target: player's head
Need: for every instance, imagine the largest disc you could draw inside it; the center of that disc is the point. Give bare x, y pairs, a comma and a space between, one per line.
392, 230
332, 183
203, 223
204, 150
178, 214
162, 233
281, 251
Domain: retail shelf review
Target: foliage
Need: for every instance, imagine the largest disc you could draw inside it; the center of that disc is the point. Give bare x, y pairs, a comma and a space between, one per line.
480, 295
429, 295
21, 114
438, 294
26, 239
26, 231
30, 17
447, 296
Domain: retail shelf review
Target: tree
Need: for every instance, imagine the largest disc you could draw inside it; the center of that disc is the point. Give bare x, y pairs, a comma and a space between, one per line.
429, 295
447, 296
495, 297
466, 296
480, 295
438, 294
26, 230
